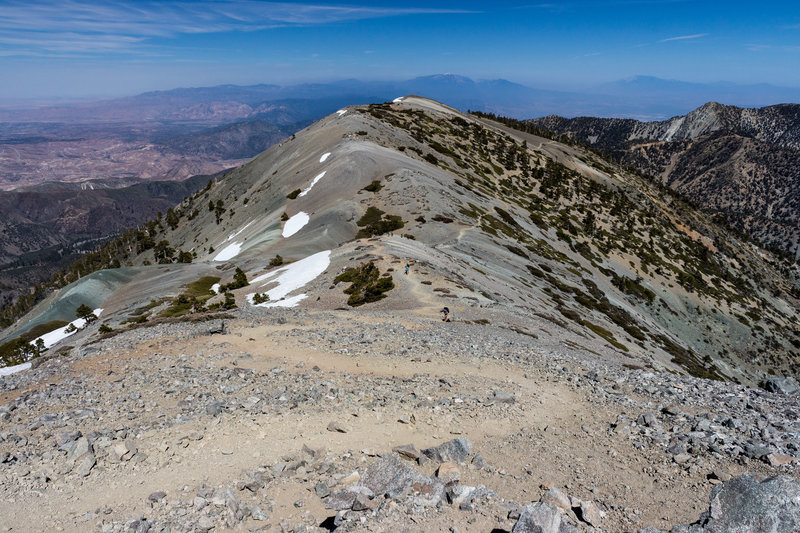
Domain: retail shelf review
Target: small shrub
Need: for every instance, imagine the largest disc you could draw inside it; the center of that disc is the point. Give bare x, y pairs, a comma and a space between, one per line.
607, 335
85, 312
230, 301
376, 222
104, 328
294, 194
260, 298
375, 186
239, 281
276, 261
367, 285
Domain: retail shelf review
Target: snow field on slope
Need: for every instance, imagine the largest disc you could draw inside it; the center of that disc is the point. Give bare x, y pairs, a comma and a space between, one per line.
56, 335
325, 156
229, 252
8, 370
231, 236
314, 182
295, 224
291, 278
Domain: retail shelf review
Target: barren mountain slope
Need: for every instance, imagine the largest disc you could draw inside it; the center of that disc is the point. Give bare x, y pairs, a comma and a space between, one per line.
739, 162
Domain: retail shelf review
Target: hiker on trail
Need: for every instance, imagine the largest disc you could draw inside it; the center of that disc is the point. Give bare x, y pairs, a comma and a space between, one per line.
445, 314
407, 265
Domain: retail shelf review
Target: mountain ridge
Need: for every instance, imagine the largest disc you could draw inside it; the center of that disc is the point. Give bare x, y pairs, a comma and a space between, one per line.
478, 197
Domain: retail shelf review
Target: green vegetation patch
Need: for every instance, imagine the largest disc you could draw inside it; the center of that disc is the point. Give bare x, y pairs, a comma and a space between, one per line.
606, 335
367, 284
633, 287
688, 359
201, 287
20, 350
376, 222
375, 186
193, 300
294, 194
41, 329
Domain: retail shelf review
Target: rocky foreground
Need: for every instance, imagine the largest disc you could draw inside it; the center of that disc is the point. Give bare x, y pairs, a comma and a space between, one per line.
290, 420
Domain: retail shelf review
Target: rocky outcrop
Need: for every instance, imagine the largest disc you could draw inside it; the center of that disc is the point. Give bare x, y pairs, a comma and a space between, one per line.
740, 162
749, 505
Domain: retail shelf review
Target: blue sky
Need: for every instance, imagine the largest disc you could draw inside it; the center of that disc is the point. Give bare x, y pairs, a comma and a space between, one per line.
86, 48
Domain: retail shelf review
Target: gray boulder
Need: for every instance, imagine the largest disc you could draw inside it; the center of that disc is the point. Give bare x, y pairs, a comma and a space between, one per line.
787, 385
345, 499
455, 451
391, 476
541, 517
747, 505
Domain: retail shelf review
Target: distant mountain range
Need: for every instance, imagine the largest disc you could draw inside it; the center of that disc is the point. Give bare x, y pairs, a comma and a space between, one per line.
183, 132
641, 97
742, 163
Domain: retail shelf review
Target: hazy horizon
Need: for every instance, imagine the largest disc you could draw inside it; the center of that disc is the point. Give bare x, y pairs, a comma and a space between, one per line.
86, 49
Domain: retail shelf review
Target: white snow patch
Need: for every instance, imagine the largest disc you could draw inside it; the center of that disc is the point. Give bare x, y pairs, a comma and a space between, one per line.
295, 224
8, 370
238, 232
56, 335
215, 288
397, 100
229, 252
314, 182
325, 156
341, 112
291, 278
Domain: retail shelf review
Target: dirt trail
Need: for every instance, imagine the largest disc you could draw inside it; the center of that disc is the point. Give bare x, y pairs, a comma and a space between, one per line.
381, 390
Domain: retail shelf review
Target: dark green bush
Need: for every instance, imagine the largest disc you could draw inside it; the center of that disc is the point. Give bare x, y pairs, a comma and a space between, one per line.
376, 222
367, 285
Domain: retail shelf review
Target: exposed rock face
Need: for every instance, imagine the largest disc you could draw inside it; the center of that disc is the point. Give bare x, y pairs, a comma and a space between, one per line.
541, 518
747, 505
741, 162
455, 451
787, 385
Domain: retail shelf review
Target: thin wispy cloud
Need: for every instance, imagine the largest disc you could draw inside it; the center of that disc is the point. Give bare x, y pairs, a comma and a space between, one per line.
684, 37
81, 25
